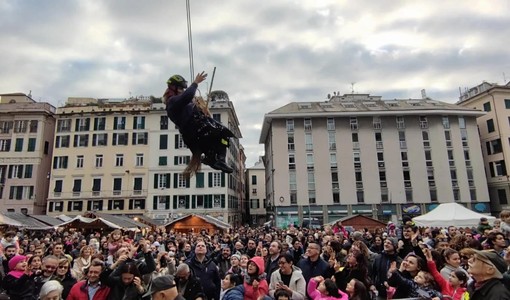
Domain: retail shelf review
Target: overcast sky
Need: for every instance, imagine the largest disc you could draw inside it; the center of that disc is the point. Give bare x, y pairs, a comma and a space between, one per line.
267, 53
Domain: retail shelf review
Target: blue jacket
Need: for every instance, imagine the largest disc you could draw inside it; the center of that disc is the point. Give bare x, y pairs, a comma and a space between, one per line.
235, 293
317, 268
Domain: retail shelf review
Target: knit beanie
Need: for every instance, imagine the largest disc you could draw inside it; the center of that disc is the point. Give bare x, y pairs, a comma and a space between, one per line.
15, 260
394, 241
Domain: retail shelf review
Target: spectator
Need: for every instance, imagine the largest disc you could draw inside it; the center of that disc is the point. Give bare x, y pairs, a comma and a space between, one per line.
222, 260
35, 263
252, 247
91, 288
356, 267
51, 290
188, 285
324, 289
421, 287
380, 267
289, 278
452, 262
357, 290
18, 282
125, 282
255, 283
487, 267
271, 264
483, 225
455, 286
49, 266
235, 260
163, 288
296, 251
206, 270
63, 275
313, 265
232, 287
9, 252
82, 262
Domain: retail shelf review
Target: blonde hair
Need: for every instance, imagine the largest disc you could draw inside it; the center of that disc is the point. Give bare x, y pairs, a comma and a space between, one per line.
504, 214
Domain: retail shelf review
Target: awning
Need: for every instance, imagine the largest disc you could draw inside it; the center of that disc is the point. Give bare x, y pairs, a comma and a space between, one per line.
28, 222
89, 223
48, 220
4, 220
122, 221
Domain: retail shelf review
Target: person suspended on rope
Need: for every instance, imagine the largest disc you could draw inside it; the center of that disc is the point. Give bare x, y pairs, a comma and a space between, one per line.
200, 132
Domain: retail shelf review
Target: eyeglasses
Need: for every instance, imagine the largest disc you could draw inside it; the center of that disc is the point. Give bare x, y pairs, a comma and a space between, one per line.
63, 267
50, 267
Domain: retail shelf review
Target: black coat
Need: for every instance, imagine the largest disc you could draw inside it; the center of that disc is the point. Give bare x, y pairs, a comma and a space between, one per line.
19, 288
493, 289
207, 273
380, 270
193, 289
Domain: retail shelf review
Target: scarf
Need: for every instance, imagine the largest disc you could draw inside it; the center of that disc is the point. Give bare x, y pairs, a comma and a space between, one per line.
17, 274
249, 279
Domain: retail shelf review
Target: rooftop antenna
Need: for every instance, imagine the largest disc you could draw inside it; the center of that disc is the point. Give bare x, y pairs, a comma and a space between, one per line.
352, 87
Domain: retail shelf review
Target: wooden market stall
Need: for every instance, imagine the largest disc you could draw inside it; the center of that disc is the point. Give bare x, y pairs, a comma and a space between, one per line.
197, 223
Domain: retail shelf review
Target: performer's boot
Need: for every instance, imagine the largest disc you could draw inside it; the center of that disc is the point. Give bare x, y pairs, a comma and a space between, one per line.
220, 163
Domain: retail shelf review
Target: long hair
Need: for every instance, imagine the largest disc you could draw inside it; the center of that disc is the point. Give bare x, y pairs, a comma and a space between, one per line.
331, 288
193, 166
360, 291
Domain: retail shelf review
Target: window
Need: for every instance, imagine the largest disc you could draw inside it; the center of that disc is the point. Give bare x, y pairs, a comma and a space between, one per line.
163, 122
446, 122
293, 197
332, 160
96, 187
200, 182
82, 124
507, 103
217, 117
136, 203
162, 180
433, 195
290, 125
360, 196
308, 124
253, 179
75, 206
139, 160
311, 197
81, 140
292, 161
292, 181
502, 194
120, 139
62, 141
162, 161
332, 140
115, 204
179, 142
31, 144
334, 180
99, 123
58, 187
254, 203
5, 145
494, 146
137, 185
182, 181
182, 160
354, 123
309, 161
138, 122
330, 123
119, 123
33, 126
79, 161
400, 122
117, 186
100, 139
490, 125
355, 141
216, 179
376, 121
163, 141
290, 142
19, 145
20, 126
99, 161
487, 106
95, 205
424, 122
5, 126
60, 162
119, 160
64, 125
378, 140
77, 187
497, 168
402, 139
140, 138
308, 141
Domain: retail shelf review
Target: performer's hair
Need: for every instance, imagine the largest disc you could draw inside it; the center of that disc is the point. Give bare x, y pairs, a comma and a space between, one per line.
193, 166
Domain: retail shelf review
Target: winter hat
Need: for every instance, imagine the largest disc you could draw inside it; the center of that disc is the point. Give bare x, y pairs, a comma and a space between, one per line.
15, 260
394, 241
236, 256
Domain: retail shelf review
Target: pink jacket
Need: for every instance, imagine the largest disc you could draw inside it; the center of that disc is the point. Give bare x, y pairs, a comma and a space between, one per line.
316, 295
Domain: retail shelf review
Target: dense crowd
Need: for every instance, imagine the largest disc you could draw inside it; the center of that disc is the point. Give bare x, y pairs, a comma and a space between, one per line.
399, 261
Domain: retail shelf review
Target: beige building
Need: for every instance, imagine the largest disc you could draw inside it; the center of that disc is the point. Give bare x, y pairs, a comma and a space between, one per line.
125, 157
494, 130
358, 154
26, 136
256, 193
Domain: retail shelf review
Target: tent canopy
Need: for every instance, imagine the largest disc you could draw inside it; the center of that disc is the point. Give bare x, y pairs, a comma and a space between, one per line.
450, 214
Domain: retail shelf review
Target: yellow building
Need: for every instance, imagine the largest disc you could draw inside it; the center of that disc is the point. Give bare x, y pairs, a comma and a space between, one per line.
26, 136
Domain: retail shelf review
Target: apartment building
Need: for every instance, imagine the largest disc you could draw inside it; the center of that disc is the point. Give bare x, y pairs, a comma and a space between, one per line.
256, 193
359, 154
123, 156
494, 130
26, 136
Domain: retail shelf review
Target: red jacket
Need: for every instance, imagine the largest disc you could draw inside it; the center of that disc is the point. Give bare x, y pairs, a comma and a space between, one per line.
79, 291
446, 288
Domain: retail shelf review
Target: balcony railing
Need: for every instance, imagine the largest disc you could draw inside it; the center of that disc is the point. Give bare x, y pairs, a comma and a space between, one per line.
102, 193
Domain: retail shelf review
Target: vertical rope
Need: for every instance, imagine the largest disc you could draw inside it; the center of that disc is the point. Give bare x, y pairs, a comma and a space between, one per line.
190, 42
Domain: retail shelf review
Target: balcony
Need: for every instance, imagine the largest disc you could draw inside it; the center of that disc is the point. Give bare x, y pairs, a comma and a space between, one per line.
403, 145
99, 194
379, 144
424, 124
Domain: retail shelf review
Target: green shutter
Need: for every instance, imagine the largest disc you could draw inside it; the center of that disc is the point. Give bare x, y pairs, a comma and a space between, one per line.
175, 202
222, 201
200, 179
176, 141
209, 175
176, 179
176, 160
193, 202
222, 179
115, 119
187, 201
155, 181
134, 122
188, 182
155, 203
167, 183
167, 202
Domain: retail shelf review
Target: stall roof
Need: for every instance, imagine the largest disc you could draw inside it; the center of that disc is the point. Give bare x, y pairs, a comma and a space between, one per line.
92, 222
27, 221
48, 220
206, 218
120, 220
153, 222
4, 220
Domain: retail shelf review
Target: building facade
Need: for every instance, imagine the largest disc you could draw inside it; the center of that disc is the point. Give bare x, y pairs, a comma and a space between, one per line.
125, 157
358, 154
26, 136
494, 130
256, 193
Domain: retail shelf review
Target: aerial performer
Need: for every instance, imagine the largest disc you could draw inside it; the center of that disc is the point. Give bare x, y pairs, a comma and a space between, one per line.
200, 132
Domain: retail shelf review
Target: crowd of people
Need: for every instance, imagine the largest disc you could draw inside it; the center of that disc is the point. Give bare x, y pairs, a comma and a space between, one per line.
263, 263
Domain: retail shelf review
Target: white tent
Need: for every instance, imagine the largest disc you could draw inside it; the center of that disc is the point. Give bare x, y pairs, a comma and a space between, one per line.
450, 214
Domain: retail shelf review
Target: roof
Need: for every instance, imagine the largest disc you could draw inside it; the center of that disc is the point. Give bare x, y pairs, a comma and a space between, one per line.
27, 221
360, 105
149, 221
4, 220
119, 220
206, 218
48, 220
346, 218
